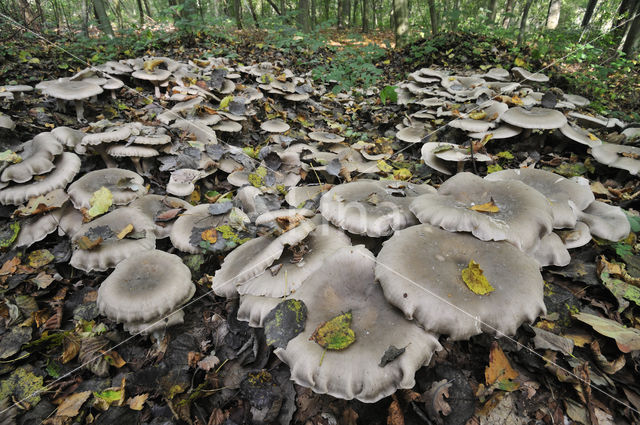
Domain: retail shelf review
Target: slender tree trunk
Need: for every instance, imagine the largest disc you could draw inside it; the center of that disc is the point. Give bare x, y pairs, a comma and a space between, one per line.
508, 10
523, 22
326, 10
252, 9
28, 18
591, 7
147, 8
365, 22
347, 12
553, 16
455, 15
237, 13
117, 9
433, 13
40, 17
632, 37
283, 7
493, 11
103, 19
303, 16
140, 12
313, 13
400, 21
275, 7
339, 14
56, 14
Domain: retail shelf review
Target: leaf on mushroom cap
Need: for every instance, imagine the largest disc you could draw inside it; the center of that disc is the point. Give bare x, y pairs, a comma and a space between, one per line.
67, 166
371, 207
617, 156
428, 152
113, 250
37, 158
125, 186
523, 218
537, 118
550, 251
427, 257
286, 274
566, 196
576, 237
605, 221
145, 286
154, 205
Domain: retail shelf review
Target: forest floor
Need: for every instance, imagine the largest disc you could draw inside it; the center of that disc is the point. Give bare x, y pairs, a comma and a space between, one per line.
49, 324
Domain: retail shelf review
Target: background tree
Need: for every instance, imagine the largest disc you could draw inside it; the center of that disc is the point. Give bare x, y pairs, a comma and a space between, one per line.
553, 16
400, 20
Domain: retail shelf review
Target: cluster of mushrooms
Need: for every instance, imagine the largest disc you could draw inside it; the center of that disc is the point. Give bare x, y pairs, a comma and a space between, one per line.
355, 282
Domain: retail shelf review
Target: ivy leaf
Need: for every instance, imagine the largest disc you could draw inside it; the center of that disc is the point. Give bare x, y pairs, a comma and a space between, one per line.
474, 277
101, 201
335, 334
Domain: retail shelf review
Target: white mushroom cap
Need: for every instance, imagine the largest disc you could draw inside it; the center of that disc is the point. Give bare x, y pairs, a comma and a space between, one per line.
589, 121
68, 136
71, 90
613, 155
157, 74
566, 196
275, 126
576, 237
580, 135
605, 221
229, 126
411, 134
112, 250
499, 74
471, 125
70, 222
502, 132
576, 100
124, 185
67, 166
298, 195
325, 137
550, 251
529, 76
181, 182
429, 157
420, 271
348, 284
458, 154
131, 151
145, 286
371, 207
35, 229
154, 325
524, 214
7, 122
37, 158
540, 118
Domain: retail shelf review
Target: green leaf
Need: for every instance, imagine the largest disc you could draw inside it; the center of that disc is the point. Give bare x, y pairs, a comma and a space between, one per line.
224, 103
475, 279
388, 94
101, 201
634, 220
10, 156
335, 334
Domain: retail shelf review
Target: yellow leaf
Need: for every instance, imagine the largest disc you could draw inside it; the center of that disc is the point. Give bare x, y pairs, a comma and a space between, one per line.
209, 235
100, 202
474, 277
40, 258
402, 174
592, 137
149, 66
124, 232
335, 334
499, 370
488, 207
384, 167
478, 115
224, 103
519, 62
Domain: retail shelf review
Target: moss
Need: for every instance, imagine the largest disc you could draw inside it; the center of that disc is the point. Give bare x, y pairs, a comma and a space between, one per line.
9, 236
23, 385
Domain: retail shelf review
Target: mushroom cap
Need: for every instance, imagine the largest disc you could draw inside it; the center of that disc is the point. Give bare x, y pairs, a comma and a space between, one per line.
268, 217
540, 118
112, 250
275, 126
261, 252
499, 74
372, 207
153, 205
565, 195
524, 214
36, 228
529, 76
111, 134
68, 136
157, 74
145, 286
550, 251
228, 126
146, 328
613, 155
7, 122
471, 125
605, 221
181, 182
124, 185
37, 158
348, 284
71, 90
67, 166
458, 153
325, 137
576, 100
156, 139
286, 275
502, 132
411, 134
298, 195
429, 157
113, 84
131, 151
580, 135
420, 271
576, 237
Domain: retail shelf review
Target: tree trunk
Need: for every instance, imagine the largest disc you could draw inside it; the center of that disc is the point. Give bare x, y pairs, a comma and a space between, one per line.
523, 22
434, 16
303, 16
40, 17
553, 16
140, 12
237, 13
493, 11
400, 21
365, 22
28, 17
147, 8
252, 9
326, 10
347, 12
85, 18
508, 10
632, 38
591, 7
103, 19
275, 7
313, 13
339, 14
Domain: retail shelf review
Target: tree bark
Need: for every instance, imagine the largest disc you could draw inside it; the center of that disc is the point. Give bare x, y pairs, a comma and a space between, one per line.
631, 41
347, 12
523, 22
103, 19
303, 16
493, 11
553, 15
434, 16
237, 13
591, 7
147, 8
85, 18
508, 10
400, 21
365, 22
140, 12
275, 7
252, 10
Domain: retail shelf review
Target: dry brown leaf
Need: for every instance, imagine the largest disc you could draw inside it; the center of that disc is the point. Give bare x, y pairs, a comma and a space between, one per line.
72, 404
88, 244
396, 417
487, 207
137, 402
499, 370
71, 347
10, 266
113, 358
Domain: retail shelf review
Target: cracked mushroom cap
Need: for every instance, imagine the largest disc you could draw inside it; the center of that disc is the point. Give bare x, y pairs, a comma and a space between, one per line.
420, 271
538, 118
605, 221
112, 250
71, 89
153, 206
262, 252
347, 284
145, 286
124, 185
37, 158
523, 214
67, 166
566, 196
617, 156
371, 207
286, 274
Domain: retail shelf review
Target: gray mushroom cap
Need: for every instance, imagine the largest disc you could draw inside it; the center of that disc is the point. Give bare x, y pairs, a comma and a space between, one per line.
502, 132
145, 286
36, 228
286, 275
539, 118
613, 155
524, 214
275, 126
112, 250
7, 122
550, 251
348, 284
155, 325
605, 221
529, 76
68, 136
580, 135
152, 205
566, 196
37, 158
71, 90
67, 166
411, 134
576, 237
124, 185
428, 152
420, 271
371, 207
325, 137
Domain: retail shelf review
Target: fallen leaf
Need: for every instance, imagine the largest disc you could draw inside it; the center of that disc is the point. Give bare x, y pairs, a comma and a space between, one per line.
478, 115
42, 203
42, 280
137, 402
396, 417
390, 354
335, 334
209, 362
487, 207
284, 322
434, 400
10, 266
72, 404
475, 279
110, 396
499, 372
113, 358
10, 156
209, 235
124, 232
88, 244
627, 339
100, 202
40, 258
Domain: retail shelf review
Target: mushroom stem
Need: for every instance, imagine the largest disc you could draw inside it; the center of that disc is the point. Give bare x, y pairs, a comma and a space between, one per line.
136, 163
157, 91
108, 161
79, 111
60, 105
